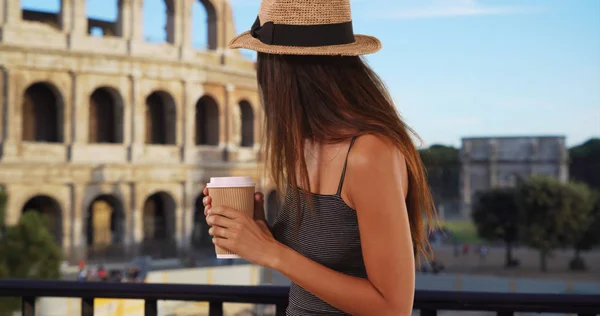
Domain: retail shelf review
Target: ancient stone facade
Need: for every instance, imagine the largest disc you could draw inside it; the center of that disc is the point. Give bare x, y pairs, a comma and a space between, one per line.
113, 137
501, 161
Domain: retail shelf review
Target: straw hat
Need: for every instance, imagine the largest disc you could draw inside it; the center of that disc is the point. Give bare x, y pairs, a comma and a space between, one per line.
305, 27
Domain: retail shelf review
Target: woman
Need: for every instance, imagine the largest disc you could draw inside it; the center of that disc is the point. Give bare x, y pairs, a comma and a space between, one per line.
354, 185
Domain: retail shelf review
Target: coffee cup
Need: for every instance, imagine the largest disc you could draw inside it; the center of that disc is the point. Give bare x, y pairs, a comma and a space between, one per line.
236, 193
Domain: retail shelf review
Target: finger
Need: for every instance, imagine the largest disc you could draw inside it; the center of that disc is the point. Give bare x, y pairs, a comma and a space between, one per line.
259, 206
223, 243
207, 200
263, 226
218, 232
206, 208
219, 220
225, 211
205, 191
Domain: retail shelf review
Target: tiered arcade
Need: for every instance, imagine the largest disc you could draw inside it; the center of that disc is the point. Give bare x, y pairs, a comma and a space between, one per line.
114, 137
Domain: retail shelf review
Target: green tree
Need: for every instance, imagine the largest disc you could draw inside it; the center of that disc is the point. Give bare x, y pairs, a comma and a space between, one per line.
585, 163
554, 214
591, 236
27, 251
496, 215
443, 168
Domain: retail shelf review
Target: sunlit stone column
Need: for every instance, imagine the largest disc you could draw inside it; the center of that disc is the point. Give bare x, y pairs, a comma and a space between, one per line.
10, 11
73, 17
136, 20
124, 18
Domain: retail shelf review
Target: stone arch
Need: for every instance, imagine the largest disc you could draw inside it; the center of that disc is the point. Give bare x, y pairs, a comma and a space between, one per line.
161, 118
201, 240
51, 210
105, 116
273, 205
204, 17
207, 121
158, 225
167, 32
42, 113
105, 222
247, 120
159, 217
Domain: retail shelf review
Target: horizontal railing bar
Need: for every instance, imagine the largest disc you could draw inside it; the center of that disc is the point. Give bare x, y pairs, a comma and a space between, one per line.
171, 292
278, 295
507, 302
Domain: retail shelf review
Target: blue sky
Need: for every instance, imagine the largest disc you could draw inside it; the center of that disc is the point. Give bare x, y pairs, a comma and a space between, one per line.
461, 68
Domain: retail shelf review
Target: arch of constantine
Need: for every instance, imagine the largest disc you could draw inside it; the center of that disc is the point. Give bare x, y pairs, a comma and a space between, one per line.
113, 137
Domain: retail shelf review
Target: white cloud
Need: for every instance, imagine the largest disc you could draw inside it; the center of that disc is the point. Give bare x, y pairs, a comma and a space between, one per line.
454, 8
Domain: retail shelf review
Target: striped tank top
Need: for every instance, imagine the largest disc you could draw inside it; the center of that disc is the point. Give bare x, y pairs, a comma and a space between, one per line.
328, 234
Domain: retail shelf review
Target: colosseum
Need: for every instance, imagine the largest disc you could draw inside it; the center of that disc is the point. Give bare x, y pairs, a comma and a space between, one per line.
113, 137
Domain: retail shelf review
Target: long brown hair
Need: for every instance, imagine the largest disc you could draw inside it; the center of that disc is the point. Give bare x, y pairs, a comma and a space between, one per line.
330, 99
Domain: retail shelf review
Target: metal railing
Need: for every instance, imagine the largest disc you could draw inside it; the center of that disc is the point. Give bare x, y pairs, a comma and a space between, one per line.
428, 302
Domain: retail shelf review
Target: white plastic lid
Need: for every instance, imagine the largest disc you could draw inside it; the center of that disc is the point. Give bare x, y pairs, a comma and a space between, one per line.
230, 182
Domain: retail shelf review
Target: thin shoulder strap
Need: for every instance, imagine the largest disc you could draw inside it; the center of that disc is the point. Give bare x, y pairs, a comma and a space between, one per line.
339, 191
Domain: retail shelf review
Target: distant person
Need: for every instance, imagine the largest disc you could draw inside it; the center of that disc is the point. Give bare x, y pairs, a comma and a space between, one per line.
465, 249
92, 273
483, 251
115, 276
82, 274
102, 275
136, 274
353, 183
437, 266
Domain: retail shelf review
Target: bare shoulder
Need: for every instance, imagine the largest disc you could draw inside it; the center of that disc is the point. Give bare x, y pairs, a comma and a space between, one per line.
375, 151
375, 164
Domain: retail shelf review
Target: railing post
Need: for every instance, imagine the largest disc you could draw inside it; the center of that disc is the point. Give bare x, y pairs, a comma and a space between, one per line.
28, 305
87, 306
215, 309
150, 308
428, 312
280, 309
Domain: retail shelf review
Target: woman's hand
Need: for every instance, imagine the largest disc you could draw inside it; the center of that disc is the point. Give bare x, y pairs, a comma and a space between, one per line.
250, 238
259, 205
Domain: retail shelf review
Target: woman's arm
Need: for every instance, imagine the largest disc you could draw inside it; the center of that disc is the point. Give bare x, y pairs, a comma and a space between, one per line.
376, 183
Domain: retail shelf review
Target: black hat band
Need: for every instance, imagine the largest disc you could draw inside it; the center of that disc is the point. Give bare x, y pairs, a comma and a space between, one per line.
303, 35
